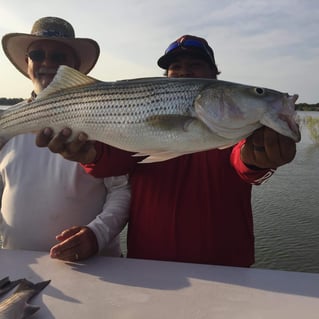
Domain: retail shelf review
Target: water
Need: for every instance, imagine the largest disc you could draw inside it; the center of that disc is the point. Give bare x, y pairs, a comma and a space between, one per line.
286, 212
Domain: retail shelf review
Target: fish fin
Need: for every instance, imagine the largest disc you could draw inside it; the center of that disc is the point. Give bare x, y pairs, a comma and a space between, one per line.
222, 147
29, 310
66, 78
157, 157
4, 281
171, 121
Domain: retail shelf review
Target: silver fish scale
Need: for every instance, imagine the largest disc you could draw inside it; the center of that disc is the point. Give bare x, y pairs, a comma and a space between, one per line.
154, 116
122, 104
109, 109
109, 104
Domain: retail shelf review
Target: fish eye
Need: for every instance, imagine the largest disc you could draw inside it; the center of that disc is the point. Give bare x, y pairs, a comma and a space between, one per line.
259, 91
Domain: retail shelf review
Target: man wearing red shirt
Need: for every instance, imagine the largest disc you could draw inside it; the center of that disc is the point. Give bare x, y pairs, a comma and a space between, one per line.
193, 208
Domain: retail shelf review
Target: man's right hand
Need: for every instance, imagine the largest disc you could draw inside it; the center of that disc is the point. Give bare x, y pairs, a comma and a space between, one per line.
80, 149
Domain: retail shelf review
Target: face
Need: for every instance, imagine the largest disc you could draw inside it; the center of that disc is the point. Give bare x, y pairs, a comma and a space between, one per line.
44, 58
190, 67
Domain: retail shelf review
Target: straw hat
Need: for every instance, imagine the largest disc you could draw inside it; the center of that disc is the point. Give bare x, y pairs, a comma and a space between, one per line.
15, 45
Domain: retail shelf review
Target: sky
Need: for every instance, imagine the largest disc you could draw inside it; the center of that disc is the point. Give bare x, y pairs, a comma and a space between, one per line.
271, 43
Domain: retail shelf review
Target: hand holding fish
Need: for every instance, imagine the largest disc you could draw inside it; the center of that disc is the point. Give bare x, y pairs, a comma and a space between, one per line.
161, 118
266, 148
76, 243
80, 149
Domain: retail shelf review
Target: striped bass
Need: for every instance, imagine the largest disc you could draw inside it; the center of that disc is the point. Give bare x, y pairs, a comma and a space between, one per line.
159, 117
6, 285
16, 306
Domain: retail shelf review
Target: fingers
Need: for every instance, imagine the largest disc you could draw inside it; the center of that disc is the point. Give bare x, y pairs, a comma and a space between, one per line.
279, 149
76, 243
287, 149
77, 144
78, 150
265, 148
254, 152
44, 137
68, 233
58, 142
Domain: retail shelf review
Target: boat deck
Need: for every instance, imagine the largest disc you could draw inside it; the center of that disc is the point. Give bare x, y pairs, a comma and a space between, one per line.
123, 288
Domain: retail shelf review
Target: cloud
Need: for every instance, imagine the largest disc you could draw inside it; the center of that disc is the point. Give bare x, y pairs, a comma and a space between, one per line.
10, 20
273, 42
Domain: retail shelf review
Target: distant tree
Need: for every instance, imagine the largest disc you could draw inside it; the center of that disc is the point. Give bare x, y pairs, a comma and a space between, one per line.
11, 101
307, 107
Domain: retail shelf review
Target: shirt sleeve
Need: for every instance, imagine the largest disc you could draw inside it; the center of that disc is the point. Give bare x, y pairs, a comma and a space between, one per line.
252, 176
111, 221
110, 161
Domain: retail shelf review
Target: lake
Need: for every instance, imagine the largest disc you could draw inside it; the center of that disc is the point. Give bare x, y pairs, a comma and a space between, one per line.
286, 211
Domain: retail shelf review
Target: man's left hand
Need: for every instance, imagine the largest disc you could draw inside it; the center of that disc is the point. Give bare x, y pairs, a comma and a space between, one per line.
266, 148
76, 243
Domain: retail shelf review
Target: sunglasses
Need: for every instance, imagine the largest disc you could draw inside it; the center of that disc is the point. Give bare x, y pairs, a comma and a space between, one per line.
40, 56
187, 43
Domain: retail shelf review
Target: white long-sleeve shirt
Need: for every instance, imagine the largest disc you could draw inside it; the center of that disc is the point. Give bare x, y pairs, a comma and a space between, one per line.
44, 194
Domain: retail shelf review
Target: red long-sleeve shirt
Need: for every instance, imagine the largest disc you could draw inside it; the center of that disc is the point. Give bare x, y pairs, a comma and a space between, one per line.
194, 208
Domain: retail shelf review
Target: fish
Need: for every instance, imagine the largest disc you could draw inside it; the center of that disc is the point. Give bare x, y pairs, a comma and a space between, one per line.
6, 285
159, 118
16, 306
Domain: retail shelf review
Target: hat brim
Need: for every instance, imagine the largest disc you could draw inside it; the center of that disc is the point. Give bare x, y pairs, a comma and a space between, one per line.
15, 46
165, 60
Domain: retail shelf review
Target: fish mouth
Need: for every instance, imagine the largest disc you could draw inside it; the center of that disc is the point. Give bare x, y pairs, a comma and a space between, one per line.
290, 117
284, 120
293, 126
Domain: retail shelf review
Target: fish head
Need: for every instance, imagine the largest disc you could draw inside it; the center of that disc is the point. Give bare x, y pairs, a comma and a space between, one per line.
235, 110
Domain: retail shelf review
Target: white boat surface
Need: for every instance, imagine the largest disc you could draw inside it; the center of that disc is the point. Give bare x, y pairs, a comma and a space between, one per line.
123, 288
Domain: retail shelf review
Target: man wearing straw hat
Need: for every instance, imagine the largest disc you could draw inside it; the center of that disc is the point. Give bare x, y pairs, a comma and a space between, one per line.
46, 199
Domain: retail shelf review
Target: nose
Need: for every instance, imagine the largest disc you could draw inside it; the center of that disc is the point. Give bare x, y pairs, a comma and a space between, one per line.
185, 72
185, 75
49, 62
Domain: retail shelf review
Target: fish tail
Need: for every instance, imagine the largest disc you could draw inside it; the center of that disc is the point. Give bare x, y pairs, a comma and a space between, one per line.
35, 288
6, 285
4, 282
30, 310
